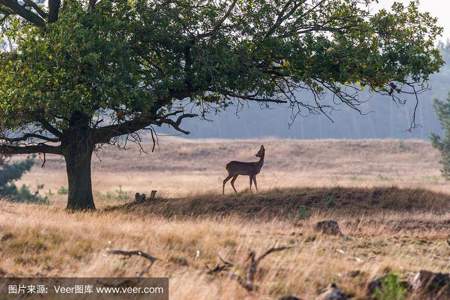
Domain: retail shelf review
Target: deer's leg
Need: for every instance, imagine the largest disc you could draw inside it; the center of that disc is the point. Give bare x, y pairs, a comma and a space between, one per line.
251, 181
232, 183
254, 181
224, 182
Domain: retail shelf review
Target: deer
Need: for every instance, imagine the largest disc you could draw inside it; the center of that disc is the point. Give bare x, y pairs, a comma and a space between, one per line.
250, 169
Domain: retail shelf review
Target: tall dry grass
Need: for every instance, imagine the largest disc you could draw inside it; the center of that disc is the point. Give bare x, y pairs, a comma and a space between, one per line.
48, 241
44, 241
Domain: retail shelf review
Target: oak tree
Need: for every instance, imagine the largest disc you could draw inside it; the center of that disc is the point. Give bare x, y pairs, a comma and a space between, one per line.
78, 74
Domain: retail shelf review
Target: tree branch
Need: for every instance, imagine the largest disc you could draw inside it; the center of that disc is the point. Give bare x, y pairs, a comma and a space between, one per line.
252, 97
92, 4
23, 12
41, 148
29, 136
37, 8
50, 128
6, 12
105, 134
219, 23
282, 16
53, 10
175, 124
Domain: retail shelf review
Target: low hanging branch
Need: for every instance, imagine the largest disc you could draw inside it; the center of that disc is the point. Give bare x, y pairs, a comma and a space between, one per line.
40, 148
105, 134
29, 136
248, 282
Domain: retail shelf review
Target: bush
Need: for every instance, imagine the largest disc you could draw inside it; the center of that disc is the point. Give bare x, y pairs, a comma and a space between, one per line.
118, 194
9, 173
443, 143
303, 213
330, 201
391, 288
63, 190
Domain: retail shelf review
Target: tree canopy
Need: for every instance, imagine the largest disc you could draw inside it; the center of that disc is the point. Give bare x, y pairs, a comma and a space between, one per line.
76, 74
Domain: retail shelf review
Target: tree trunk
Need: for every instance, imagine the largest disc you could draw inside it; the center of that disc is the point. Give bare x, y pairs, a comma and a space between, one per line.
79, 177
78, 147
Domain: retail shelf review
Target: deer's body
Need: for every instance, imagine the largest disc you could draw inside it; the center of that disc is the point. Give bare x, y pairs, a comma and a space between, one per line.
251, 169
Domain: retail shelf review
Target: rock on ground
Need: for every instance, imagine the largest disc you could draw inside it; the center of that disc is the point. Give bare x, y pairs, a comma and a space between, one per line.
429, 285
332, 293
330, 227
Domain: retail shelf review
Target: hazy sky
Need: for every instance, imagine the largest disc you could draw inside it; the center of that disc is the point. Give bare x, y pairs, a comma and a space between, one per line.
438, 8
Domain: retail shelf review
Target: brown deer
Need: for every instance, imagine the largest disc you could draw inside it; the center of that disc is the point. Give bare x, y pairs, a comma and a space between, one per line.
250, 169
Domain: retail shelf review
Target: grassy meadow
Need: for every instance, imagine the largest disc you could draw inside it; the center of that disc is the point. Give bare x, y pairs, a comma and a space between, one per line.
388, 197
180, 167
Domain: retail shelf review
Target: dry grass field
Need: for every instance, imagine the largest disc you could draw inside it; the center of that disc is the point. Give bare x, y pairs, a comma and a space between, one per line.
180, 167
388, 197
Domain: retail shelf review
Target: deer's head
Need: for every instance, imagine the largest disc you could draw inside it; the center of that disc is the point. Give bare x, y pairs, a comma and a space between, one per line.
261, 152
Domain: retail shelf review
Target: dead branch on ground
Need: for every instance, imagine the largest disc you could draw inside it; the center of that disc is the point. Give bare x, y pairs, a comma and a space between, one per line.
248, 282
225, 266
147, 256
151, 258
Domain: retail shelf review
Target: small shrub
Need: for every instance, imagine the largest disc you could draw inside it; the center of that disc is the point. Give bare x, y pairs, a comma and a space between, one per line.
25, 195
330, 201
391, 288
118, 195
442, 143
9, 173
303, 213
122, 195
14, 171
63, 191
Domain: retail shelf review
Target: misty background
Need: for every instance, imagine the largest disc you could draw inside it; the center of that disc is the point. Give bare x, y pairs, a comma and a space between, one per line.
382, 119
